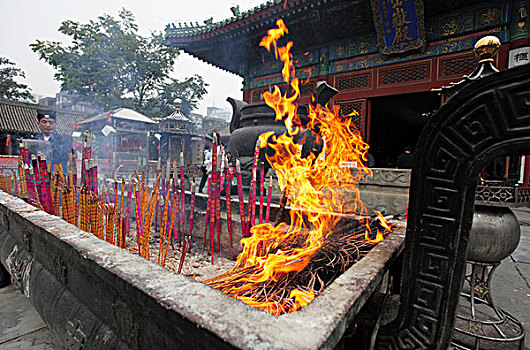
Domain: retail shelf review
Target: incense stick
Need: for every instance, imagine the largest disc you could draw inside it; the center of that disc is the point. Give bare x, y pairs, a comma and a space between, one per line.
269, 197
242, 214
261, 185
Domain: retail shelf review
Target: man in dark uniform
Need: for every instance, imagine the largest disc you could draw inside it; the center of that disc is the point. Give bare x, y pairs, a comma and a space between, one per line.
406, 159
61, 145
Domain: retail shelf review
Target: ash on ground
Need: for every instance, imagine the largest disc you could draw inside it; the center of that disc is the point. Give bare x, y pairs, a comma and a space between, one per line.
197, 265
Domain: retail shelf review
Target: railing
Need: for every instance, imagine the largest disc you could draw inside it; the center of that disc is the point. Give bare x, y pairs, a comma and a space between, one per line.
511, 196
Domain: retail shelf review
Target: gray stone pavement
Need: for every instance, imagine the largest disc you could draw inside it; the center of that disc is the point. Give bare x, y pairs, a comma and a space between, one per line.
511, 281
21, 327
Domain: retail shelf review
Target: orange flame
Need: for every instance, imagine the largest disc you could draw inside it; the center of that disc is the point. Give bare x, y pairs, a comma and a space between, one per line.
319, 186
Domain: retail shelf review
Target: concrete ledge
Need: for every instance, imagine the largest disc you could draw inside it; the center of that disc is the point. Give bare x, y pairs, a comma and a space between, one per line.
96, 295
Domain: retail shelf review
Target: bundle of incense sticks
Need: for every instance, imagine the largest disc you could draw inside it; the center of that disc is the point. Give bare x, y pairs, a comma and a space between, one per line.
109, 229
192, 211
228, 207
242, 214
22, 178
163, 229
41, 195
218, 201
182, 207
29, 176
252, 195
87, 153
145, 208
261, 184
121, 218
6, 184
55, 181
208, 209
45, 178
127, 223
213, 209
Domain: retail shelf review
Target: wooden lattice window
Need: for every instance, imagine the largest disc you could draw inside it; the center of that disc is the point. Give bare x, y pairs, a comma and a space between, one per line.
458, 66
353, 82
405, 74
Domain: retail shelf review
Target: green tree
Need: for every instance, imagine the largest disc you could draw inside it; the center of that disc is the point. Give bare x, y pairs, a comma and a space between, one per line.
191, 90
9, 88
108, 63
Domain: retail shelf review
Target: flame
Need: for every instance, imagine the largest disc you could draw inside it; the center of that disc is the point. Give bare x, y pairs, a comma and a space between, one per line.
319, 187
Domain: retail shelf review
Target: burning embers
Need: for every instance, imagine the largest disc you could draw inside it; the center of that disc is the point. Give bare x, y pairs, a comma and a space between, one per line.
283, 267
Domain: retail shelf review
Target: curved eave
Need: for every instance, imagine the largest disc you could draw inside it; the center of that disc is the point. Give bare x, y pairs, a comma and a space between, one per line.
226, 69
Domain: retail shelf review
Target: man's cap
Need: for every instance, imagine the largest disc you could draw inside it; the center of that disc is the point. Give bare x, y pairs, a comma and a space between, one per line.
46, 114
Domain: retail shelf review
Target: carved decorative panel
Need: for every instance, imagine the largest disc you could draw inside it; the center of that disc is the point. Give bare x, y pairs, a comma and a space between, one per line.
412, 73
451, 67
488, 118
353, 82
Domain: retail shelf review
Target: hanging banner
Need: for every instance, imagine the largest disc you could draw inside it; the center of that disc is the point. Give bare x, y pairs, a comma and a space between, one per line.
399, 25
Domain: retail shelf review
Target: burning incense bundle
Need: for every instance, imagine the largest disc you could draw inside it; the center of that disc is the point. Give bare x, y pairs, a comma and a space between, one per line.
284, 266
288, 290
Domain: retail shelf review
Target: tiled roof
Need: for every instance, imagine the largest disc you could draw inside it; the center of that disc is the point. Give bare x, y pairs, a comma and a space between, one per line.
21, 118
177, 116
183, 30
121, 113
233, 44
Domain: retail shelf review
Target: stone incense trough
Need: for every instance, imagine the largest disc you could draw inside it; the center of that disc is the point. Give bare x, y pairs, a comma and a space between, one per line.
96, 296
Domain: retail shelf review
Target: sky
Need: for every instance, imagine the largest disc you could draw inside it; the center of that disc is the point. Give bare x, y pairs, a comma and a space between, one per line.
28, 20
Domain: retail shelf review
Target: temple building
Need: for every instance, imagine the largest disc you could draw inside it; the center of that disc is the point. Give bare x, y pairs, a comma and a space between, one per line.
120, 140
383, 56
175, 132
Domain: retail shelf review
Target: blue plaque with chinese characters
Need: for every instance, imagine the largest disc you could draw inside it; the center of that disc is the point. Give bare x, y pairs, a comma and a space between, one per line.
399, 25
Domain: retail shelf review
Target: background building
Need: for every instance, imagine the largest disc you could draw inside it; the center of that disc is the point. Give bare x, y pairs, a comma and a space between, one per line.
384, 57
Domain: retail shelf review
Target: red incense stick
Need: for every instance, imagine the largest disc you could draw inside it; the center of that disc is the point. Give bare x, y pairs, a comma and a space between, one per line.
228, 208
269, 196
242, 214
261, 185
192, 210
208, 209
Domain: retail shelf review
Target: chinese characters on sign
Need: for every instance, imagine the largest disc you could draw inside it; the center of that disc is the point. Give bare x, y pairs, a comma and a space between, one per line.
399, 24
518, 57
